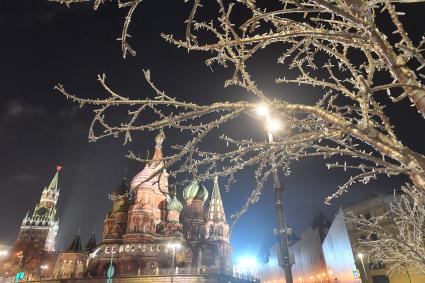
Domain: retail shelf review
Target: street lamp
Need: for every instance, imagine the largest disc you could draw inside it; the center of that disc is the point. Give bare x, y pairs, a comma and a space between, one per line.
174, 247
274, 125
360, 255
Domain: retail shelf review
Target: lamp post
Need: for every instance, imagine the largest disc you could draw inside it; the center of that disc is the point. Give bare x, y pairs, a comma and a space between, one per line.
174, 247
360, 255
272, 126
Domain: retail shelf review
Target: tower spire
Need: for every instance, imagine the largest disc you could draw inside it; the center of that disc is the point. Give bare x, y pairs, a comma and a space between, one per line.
215, 208
159, 139
54, 183
151, 167
76, 243
91, 243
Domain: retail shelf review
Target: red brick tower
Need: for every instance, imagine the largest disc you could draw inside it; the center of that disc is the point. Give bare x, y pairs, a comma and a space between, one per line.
150, 192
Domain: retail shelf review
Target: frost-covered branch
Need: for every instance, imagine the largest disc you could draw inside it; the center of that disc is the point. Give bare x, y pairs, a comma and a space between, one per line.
337, 47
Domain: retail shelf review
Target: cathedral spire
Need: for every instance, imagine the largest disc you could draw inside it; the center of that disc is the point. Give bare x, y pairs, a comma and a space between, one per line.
151, 167
215, 208
157, 157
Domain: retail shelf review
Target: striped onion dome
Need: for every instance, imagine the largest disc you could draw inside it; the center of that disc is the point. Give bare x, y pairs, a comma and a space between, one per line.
195, 191
175, 205
143, 176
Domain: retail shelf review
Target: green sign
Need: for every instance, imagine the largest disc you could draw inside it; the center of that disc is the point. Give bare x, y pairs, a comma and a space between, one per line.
356, 273
19, 276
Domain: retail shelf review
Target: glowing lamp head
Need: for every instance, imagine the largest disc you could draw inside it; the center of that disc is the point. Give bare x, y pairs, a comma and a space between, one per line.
262, 110
360, 255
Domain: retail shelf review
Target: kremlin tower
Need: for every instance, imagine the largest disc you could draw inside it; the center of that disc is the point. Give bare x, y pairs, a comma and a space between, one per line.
38, 230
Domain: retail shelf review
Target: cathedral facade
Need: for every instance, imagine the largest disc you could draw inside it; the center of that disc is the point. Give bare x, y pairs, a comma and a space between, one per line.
149, 229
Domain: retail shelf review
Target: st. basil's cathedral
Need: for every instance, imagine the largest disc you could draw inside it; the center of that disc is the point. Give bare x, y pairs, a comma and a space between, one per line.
147, 231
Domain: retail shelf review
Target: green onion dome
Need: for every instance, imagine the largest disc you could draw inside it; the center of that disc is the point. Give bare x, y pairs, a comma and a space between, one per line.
175, 205
195, 191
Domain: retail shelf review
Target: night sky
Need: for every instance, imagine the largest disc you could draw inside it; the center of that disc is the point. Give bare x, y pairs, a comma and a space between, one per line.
44, 44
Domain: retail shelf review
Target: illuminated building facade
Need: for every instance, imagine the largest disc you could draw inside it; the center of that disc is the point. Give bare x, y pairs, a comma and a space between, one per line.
341, 253
308, 262
147, 232
146, 218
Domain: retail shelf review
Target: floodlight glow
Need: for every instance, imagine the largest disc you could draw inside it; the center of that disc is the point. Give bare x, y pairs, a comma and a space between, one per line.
360, 255
247, 262
273, 125
262, 110
4, 252
174, 246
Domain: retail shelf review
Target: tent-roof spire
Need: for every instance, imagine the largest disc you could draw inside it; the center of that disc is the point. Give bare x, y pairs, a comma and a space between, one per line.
54, 183
91, 244
76, 243
215, 208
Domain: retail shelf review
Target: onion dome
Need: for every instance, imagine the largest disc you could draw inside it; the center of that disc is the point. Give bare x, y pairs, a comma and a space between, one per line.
174, 205
195, 191
152, 167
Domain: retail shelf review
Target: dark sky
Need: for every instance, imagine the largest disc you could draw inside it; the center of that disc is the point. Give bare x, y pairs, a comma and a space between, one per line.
44, 43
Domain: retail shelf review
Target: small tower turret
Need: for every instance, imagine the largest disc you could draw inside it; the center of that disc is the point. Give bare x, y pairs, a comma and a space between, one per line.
91, 243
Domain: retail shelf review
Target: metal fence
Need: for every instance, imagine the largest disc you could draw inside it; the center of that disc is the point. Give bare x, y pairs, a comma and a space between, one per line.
190, 271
